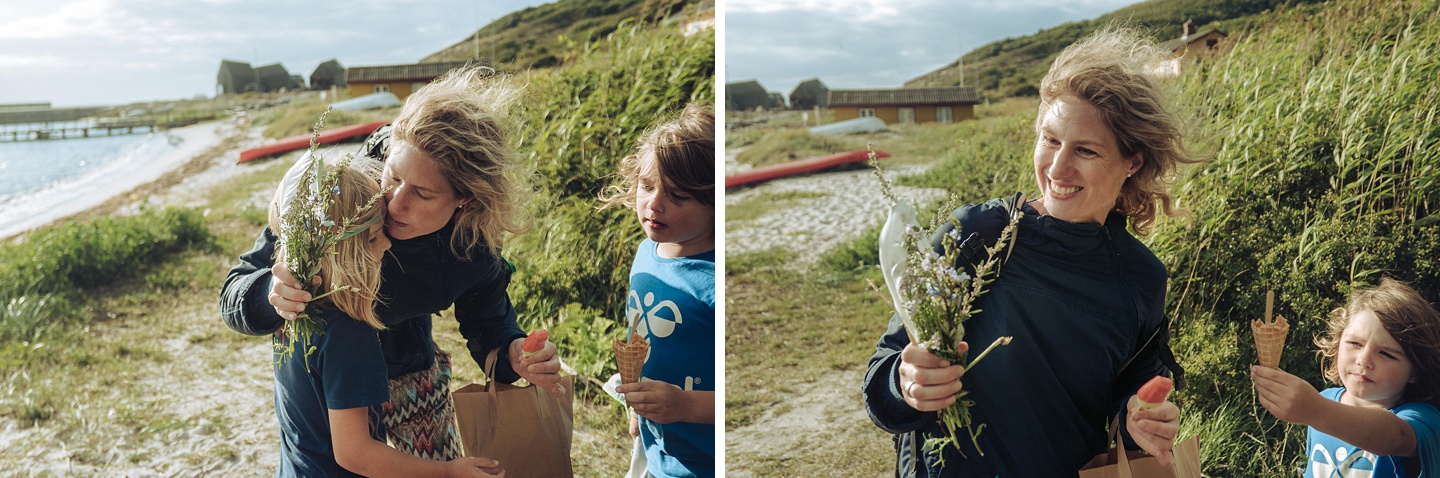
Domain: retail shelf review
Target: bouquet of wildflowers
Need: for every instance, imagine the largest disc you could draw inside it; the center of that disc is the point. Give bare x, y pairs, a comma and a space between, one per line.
934, 297
308, 234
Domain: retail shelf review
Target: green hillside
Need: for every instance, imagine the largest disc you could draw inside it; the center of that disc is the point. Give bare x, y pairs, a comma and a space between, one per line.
1325, 176
1013, 66
542, 36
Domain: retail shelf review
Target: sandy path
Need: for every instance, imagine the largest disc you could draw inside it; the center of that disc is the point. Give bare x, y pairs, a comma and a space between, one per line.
828, 409
850, 204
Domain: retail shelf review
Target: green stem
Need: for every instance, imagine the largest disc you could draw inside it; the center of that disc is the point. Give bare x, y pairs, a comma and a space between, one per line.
999, 341
344, 287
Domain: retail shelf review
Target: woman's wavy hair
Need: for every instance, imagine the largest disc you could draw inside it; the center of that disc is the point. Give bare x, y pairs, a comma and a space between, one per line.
460, 120
1408, 318
684, 151
1112, 70
352, 264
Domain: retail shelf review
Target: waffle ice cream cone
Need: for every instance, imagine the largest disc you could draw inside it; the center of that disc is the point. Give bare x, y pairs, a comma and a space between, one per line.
630, 356
1270, 340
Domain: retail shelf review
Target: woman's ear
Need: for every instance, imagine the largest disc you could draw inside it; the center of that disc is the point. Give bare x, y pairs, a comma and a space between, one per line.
1136, 162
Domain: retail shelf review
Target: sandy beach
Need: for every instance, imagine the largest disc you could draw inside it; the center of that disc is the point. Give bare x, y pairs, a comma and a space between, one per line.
163, 153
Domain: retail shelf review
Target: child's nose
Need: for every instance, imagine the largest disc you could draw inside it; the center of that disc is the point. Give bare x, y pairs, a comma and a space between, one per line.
1365, 360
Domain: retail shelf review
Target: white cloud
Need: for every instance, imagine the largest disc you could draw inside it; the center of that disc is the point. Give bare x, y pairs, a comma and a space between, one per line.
856, 10
12, 61
82, 18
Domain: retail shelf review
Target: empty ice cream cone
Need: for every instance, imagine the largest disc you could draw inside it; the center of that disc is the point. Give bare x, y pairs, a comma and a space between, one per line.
1270, 340
1270, 336
630, 356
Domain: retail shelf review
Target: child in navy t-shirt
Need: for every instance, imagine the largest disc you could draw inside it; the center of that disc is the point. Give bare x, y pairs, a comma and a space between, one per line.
327, 397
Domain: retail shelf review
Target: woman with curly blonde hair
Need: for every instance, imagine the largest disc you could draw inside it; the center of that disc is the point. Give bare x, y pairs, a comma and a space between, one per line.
453, 192
1082, 297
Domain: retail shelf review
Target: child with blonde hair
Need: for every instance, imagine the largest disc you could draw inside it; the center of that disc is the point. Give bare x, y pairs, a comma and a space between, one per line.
670, 183
1383, 349
327, 398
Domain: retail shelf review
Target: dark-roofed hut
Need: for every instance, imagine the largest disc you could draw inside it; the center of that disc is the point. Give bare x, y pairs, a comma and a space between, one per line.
274, 77
810, 93
401, 80
906, 105
236, 77
328, 74
748, 95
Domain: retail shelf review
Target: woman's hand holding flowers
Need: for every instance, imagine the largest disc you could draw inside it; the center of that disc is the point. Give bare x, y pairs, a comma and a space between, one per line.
928, 382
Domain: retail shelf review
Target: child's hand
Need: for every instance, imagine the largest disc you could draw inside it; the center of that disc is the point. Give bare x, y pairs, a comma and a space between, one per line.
285, 293
1286, 396
661, 402
473, 467
1154, 429
634, 427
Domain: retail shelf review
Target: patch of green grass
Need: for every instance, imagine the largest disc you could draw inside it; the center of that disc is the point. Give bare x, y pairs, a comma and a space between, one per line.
793, 144
299, 118
790, 336
749, 262
765, 202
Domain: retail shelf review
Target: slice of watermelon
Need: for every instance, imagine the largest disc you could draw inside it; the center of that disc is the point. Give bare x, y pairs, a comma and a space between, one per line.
535, 342
1154, 392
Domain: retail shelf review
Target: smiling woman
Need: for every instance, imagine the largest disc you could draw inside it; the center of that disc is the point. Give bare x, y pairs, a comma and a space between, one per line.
1081, 296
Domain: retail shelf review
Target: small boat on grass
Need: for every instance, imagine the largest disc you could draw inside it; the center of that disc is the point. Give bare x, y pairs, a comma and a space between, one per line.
303, 141
766, 173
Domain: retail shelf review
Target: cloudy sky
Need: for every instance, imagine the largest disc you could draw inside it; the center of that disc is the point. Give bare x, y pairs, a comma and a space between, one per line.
876, 43
103, 52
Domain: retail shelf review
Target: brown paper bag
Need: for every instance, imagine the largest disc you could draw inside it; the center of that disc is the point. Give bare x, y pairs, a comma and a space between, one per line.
1132, 464
525, 428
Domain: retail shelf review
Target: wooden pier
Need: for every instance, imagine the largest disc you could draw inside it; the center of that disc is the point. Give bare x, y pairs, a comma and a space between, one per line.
38, 132
41, 122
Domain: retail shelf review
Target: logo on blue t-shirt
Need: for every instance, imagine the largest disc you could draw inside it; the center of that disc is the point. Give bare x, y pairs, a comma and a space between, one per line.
1344, 462
658, 319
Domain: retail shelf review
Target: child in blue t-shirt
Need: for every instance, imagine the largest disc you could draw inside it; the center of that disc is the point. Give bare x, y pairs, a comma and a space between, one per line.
1382, 422
327, 400
670, 183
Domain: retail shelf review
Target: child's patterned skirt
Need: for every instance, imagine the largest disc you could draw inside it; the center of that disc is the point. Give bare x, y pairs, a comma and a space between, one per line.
420, 418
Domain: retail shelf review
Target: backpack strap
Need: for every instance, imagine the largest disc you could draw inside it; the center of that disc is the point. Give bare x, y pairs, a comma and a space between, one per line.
973, 245
377, 144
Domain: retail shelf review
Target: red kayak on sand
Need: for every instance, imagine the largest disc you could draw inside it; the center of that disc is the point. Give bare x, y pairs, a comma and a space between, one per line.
303, 141
766, 173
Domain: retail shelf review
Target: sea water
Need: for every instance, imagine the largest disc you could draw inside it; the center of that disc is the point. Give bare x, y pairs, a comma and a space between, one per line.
32, 166
44, 180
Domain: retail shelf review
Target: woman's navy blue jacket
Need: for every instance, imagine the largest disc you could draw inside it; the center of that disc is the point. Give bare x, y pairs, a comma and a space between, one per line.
1081, 301
420, 277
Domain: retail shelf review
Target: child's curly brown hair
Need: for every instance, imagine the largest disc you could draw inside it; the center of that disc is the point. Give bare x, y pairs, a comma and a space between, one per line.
1408, 318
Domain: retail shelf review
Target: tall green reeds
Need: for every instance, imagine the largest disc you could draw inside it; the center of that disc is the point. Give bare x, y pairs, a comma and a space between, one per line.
579, 120
1324, 178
